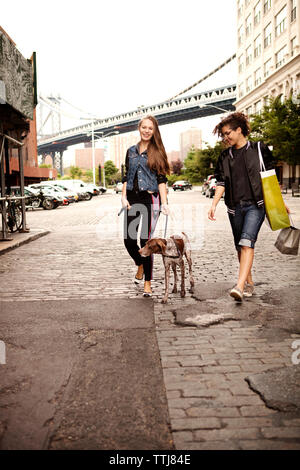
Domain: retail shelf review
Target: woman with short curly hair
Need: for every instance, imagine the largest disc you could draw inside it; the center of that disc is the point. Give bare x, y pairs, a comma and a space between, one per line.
238, 175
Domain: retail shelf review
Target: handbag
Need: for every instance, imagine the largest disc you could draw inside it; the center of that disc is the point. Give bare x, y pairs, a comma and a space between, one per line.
288, 240
275, 209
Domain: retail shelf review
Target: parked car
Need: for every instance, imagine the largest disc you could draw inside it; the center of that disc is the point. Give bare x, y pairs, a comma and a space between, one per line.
211, 189
70, 194
49, 189
182, 185
206, 184
47, 197
75, 185
118, 188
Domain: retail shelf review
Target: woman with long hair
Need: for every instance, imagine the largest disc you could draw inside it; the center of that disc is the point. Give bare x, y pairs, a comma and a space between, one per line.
144, 194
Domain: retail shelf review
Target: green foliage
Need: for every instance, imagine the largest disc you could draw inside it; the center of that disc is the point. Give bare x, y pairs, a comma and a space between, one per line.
172, 178
75, 172
279, 125
201, 163
43, 165
111, 172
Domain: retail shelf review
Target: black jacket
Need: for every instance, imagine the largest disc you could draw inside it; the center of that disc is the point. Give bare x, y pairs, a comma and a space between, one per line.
223, 174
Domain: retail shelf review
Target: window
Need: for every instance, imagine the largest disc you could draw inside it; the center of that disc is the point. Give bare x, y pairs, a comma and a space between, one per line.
241, 90
249, 110
248, 25
267, 68
267, 6
240, 35
257, 13
248, 55
249, 84
266, 100
257, 107
240, 7
247, 3
268, 35
241, 63
280, 21
293, 10
293, 46
257, 77
257, 46
280, 56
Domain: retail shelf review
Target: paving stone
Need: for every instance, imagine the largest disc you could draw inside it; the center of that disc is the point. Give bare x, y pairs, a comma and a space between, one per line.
195, 423
256, 411
226, 434
265, 444
281, 433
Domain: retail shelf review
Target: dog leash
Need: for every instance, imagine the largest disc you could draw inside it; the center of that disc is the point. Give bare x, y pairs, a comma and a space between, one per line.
166, 225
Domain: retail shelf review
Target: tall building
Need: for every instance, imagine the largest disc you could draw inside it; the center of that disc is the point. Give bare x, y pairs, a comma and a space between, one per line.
118, 145
268, 51
188, 139
84, 158
268, 56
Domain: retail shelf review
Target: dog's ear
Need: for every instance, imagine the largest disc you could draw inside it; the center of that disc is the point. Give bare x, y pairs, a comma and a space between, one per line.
162, 243
179, 244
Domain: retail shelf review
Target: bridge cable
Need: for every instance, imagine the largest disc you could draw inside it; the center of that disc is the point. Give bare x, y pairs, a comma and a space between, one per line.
204, 78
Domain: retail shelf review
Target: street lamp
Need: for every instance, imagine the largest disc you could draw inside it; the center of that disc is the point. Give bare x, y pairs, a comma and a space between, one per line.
101, 136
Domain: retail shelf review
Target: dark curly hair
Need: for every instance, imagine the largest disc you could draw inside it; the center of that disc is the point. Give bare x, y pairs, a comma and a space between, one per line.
234, 120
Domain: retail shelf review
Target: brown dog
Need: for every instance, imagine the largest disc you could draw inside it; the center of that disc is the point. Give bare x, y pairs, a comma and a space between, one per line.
172, 250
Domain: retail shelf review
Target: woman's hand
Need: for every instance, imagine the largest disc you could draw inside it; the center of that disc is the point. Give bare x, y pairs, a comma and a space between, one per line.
165, 209
211, 212
125, 202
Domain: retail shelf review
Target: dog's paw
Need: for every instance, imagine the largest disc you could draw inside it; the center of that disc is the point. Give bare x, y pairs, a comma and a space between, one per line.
174, 291
182, 293
164, 301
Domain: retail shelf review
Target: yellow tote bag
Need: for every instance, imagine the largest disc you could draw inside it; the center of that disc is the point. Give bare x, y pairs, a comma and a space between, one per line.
275, 209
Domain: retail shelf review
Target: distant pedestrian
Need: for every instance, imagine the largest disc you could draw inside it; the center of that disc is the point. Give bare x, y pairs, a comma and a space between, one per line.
238, 175
144, 194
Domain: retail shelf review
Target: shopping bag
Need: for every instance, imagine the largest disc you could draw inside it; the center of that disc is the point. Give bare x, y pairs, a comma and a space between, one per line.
288, 241
276, 212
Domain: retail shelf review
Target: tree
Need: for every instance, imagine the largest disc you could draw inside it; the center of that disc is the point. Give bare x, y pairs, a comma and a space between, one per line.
201, 163
75, 172
176, 167
111, 171
279, 125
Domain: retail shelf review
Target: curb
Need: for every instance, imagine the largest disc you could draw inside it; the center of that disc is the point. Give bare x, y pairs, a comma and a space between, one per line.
16, 243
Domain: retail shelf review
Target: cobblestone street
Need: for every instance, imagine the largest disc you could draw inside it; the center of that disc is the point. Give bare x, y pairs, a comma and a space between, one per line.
210, 404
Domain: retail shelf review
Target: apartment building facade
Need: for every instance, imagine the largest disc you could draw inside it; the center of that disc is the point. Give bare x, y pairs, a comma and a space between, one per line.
188, 139
268, 56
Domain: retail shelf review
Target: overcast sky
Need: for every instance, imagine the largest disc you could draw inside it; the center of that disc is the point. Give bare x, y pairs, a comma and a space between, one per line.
108, 57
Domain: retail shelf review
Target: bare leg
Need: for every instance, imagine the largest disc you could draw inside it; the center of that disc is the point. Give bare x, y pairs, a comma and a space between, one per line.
246, 257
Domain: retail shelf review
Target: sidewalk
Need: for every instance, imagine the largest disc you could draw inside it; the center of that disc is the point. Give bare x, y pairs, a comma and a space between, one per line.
19, 239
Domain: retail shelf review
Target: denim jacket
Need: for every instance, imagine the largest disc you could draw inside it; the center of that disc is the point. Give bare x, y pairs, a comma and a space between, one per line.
136, 163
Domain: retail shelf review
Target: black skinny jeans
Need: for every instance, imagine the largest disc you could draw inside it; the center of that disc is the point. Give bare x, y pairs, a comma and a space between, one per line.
144, 214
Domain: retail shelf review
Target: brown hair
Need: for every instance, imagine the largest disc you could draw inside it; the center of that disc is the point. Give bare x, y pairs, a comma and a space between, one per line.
157, 156
234, 120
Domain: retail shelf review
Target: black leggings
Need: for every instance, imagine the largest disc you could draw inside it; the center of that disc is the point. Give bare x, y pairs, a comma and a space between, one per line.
146, 215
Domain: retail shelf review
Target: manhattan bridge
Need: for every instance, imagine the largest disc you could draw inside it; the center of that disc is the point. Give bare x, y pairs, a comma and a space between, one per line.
175, 109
